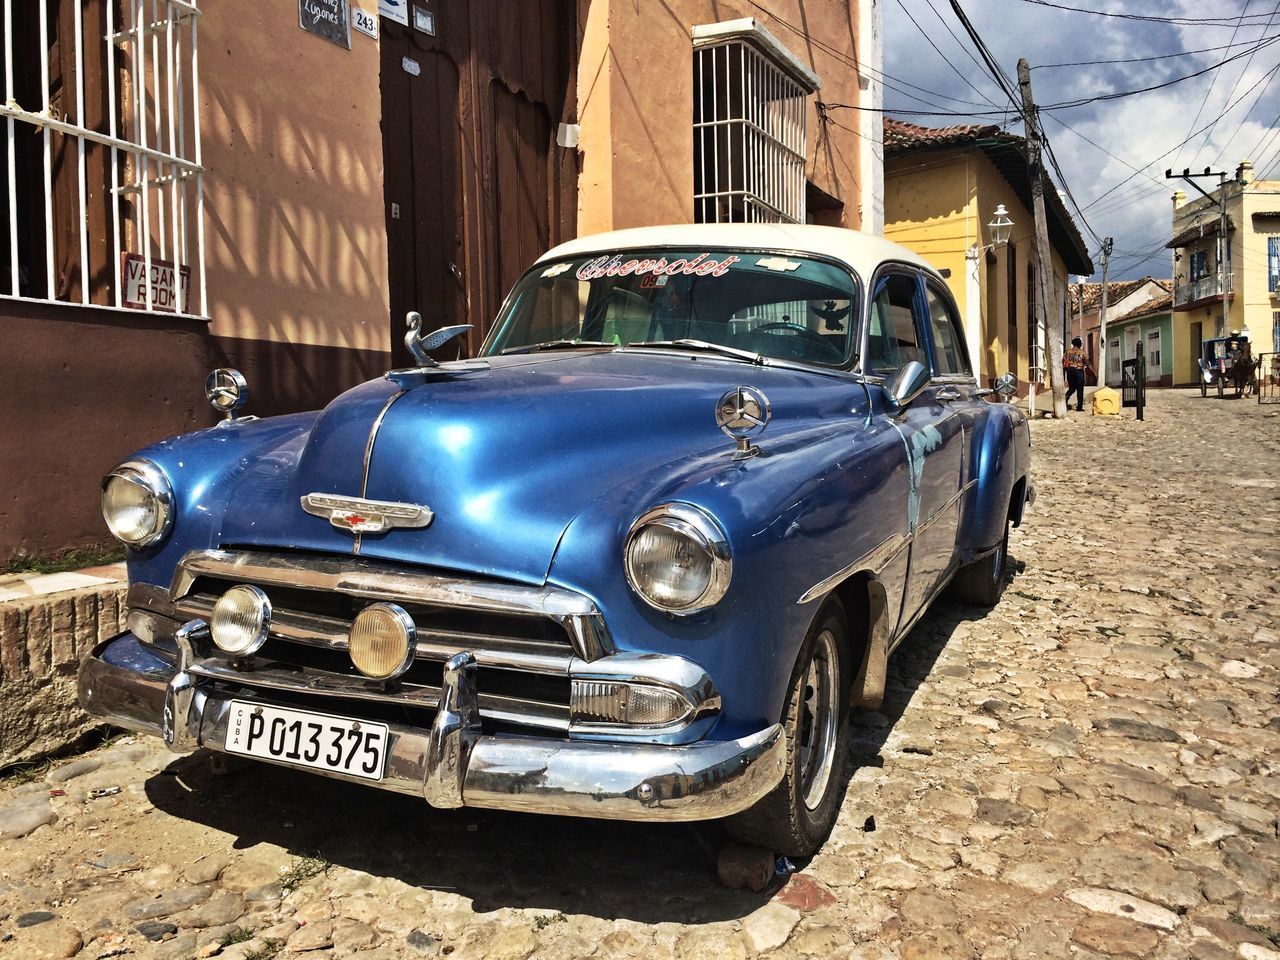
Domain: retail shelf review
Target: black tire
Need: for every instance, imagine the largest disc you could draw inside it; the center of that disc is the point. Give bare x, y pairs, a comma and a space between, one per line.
1204, 388
1219, 381
982, 582
796, 818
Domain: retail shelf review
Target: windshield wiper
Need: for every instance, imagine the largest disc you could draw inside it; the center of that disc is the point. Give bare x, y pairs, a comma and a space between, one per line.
705, 345
556, 345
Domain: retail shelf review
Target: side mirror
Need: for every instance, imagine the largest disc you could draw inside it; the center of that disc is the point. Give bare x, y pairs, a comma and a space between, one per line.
1006, 387
908, 383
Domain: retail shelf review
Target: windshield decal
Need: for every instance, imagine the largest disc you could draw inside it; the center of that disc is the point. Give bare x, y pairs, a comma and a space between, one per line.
615, 266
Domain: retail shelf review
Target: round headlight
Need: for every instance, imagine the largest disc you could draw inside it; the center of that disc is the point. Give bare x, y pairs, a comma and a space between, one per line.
240, 620
382, 641
677, 559
137, 503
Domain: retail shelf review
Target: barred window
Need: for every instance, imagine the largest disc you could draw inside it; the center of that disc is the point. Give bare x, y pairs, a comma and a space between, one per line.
102, 197
749, 116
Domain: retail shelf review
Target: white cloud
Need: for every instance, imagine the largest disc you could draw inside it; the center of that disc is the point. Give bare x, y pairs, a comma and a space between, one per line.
1136, 129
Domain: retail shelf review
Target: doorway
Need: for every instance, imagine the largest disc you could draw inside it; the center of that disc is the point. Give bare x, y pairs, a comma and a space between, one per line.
1197, 349
475, 185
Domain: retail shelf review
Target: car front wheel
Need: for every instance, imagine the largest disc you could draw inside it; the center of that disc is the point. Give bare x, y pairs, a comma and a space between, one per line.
982, 582
797, 816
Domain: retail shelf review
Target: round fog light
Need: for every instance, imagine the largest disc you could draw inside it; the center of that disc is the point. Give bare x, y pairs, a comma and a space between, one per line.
382, 641
240, 620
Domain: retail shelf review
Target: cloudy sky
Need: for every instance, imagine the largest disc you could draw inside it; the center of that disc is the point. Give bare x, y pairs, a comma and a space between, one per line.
1100, 144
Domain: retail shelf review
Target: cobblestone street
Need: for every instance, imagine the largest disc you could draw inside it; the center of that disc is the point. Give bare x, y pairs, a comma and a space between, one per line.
1090, 770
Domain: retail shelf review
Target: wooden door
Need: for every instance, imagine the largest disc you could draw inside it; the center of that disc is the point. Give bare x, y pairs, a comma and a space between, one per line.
422, 186
475, 186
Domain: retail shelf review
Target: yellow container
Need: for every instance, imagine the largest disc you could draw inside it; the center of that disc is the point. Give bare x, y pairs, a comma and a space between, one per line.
1106, 401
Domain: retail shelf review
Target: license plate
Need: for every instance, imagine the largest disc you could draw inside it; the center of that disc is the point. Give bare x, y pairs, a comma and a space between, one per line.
356, 748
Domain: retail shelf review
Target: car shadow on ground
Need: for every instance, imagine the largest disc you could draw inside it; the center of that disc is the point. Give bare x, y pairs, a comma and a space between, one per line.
645, 872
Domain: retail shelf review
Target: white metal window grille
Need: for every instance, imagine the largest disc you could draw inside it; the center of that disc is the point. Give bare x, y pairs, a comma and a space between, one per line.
102, 161
748, 137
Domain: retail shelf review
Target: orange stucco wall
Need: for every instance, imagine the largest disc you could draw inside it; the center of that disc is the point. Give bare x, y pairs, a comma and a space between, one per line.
635, 104
294, 226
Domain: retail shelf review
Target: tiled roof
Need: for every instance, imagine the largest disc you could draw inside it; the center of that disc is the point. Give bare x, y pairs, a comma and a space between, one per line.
1117, 290
1158, 305
902, 135
1007, 152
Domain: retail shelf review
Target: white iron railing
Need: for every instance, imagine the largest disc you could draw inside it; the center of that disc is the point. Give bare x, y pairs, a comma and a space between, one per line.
1212, 285
748, 137
150, 198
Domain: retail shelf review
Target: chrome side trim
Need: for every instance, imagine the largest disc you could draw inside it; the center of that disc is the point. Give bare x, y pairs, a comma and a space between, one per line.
942, 510
875, 560
376, 581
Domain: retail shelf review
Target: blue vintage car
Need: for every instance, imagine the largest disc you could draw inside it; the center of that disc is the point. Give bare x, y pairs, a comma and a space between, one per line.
637, 560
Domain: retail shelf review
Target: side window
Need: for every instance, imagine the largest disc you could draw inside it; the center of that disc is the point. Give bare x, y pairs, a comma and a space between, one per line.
948, 346
894, 338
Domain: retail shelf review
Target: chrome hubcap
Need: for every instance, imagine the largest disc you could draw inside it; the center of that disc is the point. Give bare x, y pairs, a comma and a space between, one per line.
819, 715
998, 573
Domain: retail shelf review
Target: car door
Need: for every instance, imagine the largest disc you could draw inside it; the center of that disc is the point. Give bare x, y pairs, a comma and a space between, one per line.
931, 431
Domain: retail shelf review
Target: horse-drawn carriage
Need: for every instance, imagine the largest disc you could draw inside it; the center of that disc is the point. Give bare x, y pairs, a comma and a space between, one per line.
1227, 360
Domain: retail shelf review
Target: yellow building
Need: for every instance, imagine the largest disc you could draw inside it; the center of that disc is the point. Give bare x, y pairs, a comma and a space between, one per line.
1220, 288
942, 187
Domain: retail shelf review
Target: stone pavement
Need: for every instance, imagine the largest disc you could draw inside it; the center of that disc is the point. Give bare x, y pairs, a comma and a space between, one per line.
1091, 770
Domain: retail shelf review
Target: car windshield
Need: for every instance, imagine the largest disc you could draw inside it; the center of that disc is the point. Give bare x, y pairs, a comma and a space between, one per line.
782, 306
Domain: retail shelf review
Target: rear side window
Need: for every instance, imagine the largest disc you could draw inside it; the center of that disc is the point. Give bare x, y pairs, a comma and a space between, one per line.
950, 358
893, 339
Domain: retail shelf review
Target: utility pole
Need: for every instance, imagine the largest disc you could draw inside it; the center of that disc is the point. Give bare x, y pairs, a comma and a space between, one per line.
1046, 293
1079, 296
1224, 248
1107, 244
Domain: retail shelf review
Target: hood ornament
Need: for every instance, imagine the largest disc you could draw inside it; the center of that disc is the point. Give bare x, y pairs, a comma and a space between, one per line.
227, 391
742, 414
421, 346
358, 515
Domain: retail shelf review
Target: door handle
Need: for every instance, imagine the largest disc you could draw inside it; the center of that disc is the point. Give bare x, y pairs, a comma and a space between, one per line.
946, 394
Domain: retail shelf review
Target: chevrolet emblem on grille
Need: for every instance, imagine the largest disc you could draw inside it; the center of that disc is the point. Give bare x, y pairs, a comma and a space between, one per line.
357, 515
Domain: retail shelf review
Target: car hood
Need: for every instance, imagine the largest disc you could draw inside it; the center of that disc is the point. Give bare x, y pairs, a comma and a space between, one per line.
505, 457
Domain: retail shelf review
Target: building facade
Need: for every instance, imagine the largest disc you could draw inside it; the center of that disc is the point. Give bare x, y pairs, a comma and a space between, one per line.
942, 188
1146, 330
1124, 297
1226, 266
194, 188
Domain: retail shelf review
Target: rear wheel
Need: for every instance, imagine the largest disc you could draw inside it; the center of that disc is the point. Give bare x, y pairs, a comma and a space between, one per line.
982, 582
1219, 382
798, 815
1204, 388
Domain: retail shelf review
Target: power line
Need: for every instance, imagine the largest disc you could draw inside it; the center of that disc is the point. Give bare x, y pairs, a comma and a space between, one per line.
1119, 95
1265, 77
939, 52
1147, 18
1212, 82
1146, 59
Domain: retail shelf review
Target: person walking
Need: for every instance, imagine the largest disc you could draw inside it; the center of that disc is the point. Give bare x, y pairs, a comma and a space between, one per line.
1074, 362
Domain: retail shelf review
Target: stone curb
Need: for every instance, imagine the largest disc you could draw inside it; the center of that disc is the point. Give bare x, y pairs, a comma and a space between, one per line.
42, 641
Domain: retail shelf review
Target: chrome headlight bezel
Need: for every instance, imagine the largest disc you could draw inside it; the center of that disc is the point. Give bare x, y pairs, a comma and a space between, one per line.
153, 480
705, 533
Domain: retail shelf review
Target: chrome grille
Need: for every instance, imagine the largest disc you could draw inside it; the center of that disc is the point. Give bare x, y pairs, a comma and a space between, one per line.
523, 638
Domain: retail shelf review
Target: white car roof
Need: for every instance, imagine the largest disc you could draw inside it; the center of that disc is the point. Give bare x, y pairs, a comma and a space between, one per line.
861, 251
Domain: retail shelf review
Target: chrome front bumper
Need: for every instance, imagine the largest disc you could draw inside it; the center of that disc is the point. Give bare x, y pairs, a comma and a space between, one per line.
451, 763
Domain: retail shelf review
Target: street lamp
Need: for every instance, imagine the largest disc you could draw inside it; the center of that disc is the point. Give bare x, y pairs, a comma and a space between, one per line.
999, 229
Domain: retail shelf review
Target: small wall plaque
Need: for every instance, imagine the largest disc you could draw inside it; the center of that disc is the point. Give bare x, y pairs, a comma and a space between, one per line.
326, 18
